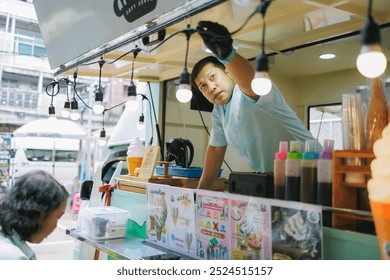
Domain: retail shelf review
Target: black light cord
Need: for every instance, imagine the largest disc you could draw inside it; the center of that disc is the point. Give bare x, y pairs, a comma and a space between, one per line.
369, 10
156, 124
144, 97
75, 93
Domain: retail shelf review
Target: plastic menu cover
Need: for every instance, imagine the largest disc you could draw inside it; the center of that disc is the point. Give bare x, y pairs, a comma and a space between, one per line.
156, 229
181, 221
212, 227
250, 228
296, 231
171, 218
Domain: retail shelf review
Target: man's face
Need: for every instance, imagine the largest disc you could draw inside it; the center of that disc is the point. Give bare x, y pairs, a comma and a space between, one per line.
215, 85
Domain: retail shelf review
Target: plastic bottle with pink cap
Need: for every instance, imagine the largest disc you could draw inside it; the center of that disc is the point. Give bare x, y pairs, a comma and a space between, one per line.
279, 170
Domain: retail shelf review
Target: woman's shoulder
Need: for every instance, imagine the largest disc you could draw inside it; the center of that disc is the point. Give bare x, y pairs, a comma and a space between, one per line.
9, 251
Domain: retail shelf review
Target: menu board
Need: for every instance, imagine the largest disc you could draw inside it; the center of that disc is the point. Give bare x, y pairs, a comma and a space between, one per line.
222, 226
156, 229
250, 228
171, 218
296, 231
181, 221
212, 227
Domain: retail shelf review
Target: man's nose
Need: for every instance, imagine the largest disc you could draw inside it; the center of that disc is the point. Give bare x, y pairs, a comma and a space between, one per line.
211, 86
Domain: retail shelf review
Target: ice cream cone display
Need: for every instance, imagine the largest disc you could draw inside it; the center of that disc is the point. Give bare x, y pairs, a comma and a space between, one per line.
135, 154
381, 215
379, 192
175, 214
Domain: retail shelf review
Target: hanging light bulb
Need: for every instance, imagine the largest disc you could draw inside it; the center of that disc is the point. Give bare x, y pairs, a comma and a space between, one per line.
132, 102
52, 112
74, 110
66, 111
102, 139
371, 61
141, 123
261, 83
184, 93
98, 107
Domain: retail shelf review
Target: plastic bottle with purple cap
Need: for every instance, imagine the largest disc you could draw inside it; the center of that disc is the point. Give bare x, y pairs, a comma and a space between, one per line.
308, 189
324, 178
279, 170
293, 172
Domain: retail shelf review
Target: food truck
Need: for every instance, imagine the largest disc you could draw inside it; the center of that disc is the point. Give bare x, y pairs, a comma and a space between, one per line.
238, 218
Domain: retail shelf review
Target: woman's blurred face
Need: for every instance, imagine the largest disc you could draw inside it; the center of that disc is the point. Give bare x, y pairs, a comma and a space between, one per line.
48, 224
215, 84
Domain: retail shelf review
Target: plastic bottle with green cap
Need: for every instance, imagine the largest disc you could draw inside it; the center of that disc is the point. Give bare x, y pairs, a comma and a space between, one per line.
293, 172
308, 189
279, 170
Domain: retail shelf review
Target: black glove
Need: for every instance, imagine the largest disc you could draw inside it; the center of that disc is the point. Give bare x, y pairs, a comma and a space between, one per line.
216, 37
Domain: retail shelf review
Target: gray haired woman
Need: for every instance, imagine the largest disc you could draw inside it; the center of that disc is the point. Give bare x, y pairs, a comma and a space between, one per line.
29, 212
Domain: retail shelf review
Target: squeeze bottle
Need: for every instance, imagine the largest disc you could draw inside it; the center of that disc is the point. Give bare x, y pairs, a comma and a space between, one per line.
293, 172
324, 177
308, 189
280, 170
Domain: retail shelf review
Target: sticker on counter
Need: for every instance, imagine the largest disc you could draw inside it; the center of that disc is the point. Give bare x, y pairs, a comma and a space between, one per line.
250, 228
212, 227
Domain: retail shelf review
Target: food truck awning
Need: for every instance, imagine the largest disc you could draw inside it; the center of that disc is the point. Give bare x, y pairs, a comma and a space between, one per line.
77, 32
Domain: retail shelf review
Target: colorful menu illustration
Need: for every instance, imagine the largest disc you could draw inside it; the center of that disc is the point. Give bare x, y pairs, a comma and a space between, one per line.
156, 229
181, 221
223, 226
296, 231
212, 228
250, 228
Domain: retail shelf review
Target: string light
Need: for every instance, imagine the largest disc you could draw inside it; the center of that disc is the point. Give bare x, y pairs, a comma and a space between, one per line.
261, 83
184, 93
371, 61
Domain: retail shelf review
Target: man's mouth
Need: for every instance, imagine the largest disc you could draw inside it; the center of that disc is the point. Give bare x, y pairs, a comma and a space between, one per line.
217, 94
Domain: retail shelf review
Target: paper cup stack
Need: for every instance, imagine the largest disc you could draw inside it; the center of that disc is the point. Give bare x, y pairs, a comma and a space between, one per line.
379, 191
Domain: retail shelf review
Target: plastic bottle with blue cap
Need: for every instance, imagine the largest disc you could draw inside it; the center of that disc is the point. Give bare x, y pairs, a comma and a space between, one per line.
308, 188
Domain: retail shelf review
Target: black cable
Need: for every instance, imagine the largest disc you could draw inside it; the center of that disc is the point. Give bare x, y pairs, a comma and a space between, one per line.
156, 124
75, 93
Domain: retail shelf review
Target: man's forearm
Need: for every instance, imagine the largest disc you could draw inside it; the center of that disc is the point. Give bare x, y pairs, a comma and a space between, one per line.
212, 164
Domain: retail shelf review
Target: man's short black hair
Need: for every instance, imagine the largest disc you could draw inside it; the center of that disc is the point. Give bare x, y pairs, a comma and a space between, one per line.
200, 64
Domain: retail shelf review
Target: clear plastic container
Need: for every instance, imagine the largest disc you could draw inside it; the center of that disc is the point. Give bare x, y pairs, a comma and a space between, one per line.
104, 222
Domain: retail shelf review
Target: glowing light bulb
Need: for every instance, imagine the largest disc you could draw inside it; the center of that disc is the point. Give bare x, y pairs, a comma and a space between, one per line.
261, 83
184, 93
371, 61
98, 107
